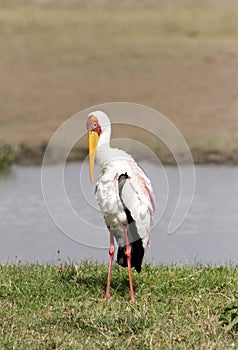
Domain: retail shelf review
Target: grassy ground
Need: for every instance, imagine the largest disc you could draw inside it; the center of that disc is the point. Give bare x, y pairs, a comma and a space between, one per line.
8, 156
61, 307
178, 57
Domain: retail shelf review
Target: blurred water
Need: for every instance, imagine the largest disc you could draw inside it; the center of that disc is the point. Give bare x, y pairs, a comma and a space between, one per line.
209, 235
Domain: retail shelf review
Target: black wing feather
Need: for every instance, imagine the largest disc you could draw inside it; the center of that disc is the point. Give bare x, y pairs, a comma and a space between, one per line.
137, 250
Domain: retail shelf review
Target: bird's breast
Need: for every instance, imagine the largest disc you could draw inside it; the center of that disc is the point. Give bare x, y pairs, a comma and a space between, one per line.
110, 203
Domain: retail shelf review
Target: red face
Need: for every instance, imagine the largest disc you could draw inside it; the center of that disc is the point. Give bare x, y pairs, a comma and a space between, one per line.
93, 125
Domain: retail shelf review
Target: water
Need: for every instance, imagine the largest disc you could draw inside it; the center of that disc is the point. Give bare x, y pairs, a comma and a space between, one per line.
209, 235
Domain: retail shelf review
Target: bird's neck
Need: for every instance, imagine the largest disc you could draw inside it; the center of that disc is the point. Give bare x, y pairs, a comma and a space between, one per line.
103, 148
105, 153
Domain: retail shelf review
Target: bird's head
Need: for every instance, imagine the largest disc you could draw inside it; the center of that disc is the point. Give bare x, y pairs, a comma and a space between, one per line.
98, 126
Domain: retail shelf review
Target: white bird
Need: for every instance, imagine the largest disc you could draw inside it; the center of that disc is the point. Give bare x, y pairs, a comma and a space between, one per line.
124, 195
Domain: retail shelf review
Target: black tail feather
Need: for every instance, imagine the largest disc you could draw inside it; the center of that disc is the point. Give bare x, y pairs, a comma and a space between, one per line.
137, 250
137, 254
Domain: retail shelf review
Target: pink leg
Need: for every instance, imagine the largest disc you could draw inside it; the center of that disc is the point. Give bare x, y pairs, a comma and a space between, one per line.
128, 255
111, 253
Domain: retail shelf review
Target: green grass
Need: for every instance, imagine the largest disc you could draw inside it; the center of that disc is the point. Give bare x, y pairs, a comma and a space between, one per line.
8, 156
62, 307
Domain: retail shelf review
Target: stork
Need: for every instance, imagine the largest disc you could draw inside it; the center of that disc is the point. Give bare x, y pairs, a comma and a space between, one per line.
124, 195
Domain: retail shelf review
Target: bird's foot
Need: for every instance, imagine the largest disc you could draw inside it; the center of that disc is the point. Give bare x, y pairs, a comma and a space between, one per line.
107, 297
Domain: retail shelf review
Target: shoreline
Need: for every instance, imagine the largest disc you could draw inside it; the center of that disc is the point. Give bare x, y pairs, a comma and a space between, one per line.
26, 155
30, 156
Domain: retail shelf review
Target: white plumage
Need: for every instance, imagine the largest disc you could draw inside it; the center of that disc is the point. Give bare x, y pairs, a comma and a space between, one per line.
124, 194
136, 196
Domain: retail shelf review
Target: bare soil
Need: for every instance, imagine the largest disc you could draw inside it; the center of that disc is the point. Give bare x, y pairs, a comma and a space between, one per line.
179, 59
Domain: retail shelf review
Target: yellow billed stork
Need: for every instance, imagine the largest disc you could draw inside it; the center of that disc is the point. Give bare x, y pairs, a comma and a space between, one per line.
124, 195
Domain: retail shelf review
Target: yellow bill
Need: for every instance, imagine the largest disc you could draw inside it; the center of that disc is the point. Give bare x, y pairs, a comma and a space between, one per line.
92, 146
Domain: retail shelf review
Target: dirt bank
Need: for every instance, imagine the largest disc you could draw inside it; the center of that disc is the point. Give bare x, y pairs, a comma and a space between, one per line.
34, 155
179, 59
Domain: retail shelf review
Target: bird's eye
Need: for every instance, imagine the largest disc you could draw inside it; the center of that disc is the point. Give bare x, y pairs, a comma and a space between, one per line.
95, 125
